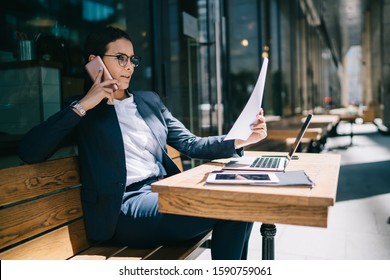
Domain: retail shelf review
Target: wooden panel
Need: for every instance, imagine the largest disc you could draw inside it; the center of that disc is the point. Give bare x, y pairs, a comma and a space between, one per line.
175, 156
60, 244
324, 122
172, 152
323, 119
187, 250
368, 116
34, 217
27, 181
232, 209
135, 253
105, 252
183, 251
311, 133
178, 163
99, 252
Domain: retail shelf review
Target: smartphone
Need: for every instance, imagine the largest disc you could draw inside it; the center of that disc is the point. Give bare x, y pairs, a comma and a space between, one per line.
93, 70
242, 178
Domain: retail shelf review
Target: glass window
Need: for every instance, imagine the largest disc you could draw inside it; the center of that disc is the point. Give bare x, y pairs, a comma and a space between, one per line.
244, 56
41, 60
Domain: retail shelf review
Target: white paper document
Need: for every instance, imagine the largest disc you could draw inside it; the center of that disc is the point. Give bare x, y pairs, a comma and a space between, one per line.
242, 127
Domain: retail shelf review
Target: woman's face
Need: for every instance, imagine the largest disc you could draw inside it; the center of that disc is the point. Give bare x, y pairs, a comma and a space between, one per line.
121, 73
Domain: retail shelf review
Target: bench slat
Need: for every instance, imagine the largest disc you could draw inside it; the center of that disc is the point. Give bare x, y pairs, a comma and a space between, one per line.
28, 181
134, 253
25, 220
280, 134
175, 156
99, 252
187, 250
59, 244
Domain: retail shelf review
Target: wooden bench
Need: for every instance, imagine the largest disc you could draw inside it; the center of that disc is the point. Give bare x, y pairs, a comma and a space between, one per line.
314, 139
41, 217
282, 133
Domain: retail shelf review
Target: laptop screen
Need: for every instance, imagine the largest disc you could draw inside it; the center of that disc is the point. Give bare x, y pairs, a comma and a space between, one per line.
300, 135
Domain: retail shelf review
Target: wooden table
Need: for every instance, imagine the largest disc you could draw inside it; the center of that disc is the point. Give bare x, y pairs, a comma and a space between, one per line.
346, 115
283, 134
187, 194
316, 134
323, 119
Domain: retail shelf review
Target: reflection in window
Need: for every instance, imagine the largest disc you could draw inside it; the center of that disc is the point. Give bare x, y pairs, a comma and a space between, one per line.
93, 11
41, 61
244, 55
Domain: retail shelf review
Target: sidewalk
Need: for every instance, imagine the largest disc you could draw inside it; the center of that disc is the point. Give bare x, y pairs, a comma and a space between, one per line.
358, 224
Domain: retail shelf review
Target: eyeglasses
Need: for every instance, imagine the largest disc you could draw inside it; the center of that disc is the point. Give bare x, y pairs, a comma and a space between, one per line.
123, 59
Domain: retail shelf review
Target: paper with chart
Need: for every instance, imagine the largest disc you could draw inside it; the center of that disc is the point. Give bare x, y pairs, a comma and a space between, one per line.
242, 127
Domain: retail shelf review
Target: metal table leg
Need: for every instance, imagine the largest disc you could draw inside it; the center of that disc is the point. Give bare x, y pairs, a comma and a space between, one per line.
351, 134
268, 232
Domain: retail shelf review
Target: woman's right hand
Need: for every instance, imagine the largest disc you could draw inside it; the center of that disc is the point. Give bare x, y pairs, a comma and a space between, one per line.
98, 92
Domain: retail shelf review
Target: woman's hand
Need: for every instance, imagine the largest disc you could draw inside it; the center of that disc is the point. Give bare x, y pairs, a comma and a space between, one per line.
259, 132
98, 92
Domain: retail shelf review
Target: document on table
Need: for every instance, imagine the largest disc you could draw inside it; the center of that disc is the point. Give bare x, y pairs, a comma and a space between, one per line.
242, 127
294, 178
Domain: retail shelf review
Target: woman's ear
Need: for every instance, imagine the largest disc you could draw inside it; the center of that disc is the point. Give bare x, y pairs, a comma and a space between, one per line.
91, 56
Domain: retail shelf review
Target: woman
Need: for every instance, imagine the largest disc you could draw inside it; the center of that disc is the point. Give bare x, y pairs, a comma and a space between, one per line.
122, 138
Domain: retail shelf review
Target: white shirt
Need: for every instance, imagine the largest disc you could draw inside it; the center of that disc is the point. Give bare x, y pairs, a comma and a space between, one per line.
141, 147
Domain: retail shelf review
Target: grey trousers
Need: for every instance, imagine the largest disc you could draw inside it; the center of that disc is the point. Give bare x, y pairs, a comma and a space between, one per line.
140, 224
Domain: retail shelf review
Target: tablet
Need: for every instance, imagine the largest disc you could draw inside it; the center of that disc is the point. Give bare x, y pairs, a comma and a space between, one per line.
242, 178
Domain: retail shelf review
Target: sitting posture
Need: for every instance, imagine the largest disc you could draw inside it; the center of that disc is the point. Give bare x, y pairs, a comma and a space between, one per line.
122, 138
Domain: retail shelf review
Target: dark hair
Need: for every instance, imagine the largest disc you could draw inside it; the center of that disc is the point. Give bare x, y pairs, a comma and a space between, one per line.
96, 44
97, 41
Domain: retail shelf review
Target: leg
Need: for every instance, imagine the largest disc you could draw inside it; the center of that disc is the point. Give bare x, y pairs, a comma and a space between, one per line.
268, 232
351, 143
141, 225
230, 240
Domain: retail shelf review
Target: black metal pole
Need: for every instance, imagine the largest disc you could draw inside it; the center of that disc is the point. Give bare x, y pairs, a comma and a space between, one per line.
268, 232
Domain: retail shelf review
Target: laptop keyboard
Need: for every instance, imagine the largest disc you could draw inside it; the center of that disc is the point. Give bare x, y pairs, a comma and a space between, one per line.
266, 162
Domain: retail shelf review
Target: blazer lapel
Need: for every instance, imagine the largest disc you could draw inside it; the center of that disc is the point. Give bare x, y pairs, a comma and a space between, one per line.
154, 119
149, 114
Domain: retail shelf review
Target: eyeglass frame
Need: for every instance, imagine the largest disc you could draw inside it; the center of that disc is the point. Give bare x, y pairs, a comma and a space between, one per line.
129, 58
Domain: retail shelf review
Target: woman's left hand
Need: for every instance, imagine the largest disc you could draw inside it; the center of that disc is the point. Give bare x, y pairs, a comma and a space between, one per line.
259, 132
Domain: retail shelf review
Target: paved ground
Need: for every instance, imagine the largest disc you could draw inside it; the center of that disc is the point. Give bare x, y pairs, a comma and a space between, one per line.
358, 226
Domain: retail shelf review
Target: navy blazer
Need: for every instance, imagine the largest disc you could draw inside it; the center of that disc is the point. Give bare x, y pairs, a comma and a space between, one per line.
102, 157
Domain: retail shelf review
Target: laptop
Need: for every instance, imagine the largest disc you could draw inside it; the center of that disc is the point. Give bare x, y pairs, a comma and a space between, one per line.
268, 163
